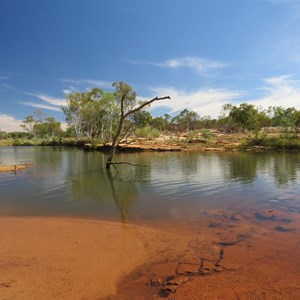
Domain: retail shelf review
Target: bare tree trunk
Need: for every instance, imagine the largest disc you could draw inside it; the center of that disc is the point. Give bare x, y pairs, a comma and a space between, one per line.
123, 116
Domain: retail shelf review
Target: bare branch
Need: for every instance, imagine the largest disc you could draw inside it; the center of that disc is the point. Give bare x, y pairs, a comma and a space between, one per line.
127, 132
145, 104
126, 163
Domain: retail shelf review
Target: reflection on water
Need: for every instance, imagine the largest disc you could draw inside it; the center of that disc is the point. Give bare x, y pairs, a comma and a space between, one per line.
68, 181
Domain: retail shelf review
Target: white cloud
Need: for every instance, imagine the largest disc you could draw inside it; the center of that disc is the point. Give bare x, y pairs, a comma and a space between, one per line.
4, 78
202, 66
38, 105
280, 91
277, 91
69, 90
9, 123
49, 99
53, 104
89, 82
203, 101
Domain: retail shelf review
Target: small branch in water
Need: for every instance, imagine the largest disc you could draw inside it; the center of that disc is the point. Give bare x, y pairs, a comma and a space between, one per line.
126, 163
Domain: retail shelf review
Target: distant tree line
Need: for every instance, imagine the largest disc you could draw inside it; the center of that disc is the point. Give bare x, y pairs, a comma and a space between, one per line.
95, 114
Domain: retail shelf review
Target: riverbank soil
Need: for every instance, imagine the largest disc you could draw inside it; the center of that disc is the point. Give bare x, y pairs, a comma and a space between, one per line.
246, 254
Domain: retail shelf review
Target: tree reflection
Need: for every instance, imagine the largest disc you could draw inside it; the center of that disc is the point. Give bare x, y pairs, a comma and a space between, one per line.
243, 167
285, 168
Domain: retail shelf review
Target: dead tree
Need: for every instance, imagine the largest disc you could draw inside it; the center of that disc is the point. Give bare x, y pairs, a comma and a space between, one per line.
125, 94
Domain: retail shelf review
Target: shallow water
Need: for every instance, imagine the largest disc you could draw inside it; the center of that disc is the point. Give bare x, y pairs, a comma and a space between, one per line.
183, 185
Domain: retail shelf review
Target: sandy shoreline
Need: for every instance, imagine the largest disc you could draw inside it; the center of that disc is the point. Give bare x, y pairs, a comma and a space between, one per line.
68, 258
56, 258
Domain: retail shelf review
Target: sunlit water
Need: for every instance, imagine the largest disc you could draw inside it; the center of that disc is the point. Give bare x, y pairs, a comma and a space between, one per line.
72, 182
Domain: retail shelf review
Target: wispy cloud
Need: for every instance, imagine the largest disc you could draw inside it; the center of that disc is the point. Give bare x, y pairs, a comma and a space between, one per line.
53, 103
38, 105
274, 91
4, 78
88, 83
5, 87
279, 91
202, 66
203, 101
51, 100
9, 123
69, 90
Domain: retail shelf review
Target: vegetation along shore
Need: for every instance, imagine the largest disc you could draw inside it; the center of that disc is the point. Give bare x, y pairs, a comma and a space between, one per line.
96, 118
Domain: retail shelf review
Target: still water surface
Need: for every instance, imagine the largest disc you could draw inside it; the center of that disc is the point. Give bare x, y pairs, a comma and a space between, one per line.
72, 182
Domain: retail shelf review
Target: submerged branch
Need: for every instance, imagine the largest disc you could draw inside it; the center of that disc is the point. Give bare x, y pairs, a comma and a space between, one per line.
126, 163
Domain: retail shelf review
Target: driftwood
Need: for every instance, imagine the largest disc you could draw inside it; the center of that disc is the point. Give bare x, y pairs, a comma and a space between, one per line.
14, 168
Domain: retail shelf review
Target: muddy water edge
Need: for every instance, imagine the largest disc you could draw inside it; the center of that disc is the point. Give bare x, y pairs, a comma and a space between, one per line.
248, 254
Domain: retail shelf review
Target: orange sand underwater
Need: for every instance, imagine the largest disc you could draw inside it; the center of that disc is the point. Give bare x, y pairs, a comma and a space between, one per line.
61, 258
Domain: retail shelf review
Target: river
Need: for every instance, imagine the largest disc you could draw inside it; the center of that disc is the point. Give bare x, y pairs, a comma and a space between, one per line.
73, 182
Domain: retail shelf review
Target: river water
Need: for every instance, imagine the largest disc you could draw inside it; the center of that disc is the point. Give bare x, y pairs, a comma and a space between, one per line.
182, 185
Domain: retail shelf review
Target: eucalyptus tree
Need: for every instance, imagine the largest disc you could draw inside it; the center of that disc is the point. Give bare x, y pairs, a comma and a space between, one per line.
186, 120
159, 123
47, 128
287, 118
245, 116
142, 118
90, 113
38, 125
28, 124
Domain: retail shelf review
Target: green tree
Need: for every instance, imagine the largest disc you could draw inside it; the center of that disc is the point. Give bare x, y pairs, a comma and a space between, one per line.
287, 118
159, 123
142, 119
3, 134
245, 116
28, 124
91, 114
47, 128
186, 120
40, 126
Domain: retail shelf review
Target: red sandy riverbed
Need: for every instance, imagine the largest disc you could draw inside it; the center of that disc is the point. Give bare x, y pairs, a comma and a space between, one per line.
60, 258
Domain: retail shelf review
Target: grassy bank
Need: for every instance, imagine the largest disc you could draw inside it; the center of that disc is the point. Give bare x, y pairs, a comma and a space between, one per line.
276, 143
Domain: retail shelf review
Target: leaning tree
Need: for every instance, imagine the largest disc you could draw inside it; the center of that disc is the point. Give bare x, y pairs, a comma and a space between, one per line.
128, 105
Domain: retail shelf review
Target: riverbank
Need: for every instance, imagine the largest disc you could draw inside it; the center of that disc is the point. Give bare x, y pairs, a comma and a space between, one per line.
212, 140
222, 255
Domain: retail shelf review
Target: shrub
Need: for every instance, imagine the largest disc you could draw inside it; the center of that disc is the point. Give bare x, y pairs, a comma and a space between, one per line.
147, 132
206, 133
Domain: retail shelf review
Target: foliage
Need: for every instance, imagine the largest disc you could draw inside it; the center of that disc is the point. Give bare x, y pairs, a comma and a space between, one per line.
141, 119
186, 120
245, 116
3, 134
280, 143
206, 133
40, 126
91, 114
287, 118
147, 132
160, 123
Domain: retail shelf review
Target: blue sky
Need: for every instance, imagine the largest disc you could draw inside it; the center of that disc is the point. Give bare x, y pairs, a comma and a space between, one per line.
201, 53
